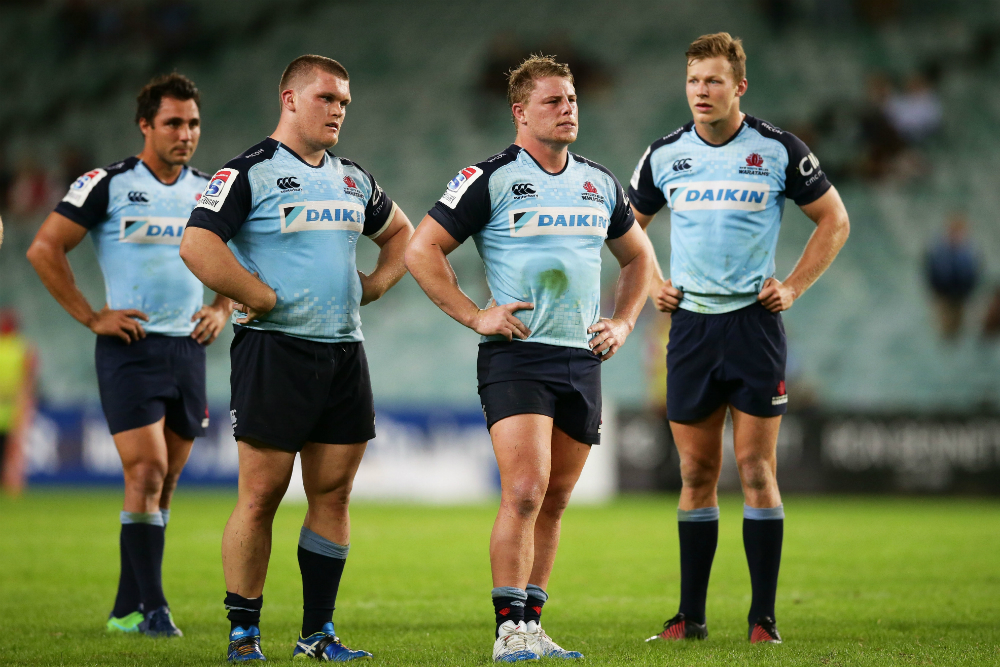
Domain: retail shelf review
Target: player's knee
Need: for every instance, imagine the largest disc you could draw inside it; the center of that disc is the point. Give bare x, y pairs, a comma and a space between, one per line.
260, 500
147, 476
700, 472
526, 498
756, 472
556, 500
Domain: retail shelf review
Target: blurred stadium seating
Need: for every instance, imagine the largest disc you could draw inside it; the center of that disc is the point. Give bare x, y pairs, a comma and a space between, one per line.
863, 338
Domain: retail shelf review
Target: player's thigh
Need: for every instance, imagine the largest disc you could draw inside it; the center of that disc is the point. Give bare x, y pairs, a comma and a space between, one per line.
178, 450
755, 438
187, 408
143, 448
699, 444
330, 468
523, 447
264, 471
568, 459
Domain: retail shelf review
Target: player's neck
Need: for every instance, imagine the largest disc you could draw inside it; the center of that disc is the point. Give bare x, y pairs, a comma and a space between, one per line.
550, 157
722, 130
292, 141
166, 173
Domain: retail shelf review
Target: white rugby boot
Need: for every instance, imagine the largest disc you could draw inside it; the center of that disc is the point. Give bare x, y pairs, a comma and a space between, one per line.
542, 644
512, 644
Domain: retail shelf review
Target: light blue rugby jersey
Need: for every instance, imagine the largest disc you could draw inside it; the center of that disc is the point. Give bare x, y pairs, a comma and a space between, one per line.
298, 226
726, 204
540, 236
136, 222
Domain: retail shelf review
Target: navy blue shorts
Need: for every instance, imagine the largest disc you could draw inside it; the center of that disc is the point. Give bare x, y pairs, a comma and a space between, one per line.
153, 377
564, 383
288, 391
735, 358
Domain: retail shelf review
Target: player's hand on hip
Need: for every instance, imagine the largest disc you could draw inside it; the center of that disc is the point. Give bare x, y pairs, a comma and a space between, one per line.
776, 296
610, 336
369, 290
256, 311
211, 319
667, 298
120, 323
500, 321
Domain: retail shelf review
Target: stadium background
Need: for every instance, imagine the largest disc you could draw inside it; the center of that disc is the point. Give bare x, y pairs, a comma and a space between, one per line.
879, 402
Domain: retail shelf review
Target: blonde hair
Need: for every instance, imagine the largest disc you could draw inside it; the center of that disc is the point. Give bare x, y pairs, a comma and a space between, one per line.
521, 79
720, 44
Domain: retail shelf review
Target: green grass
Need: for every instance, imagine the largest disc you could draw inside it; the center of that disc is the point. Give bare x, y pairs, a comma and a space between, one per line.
865, 581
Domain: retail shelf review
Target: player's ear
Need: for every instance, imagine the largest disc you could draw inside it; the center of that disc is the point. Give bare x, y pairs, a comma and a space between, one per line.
288, 99
145, 126
518, 110
741, 88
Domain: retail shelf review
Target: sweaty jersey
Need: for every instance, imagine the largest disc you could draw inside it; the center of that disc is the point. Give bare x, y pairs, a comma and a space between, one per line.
726, 204
136, 222
297, 226
540, 236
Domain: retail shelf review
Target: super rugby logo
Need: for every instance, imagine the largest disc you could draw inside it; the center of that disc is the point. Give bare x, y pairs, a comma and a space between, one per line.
719, 195
158, 230
82, 186
558, 220
322, 215
459, 185
218, 189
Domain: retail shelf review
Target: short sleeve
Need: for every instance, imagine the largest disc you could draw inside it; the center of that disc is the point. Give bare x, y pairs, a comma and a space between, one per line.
86, 203
805, 181
378, 211
224, 205
622, 217
465, 206
645, 196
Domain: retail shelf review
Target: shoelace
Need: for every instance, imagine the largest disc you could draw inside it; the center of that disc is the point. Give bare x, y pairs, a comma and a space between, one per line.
515, 641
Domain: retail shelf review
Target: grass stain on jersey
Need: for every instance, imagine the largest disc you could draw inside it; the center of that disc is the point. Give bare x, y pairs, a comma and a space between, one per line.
554, 281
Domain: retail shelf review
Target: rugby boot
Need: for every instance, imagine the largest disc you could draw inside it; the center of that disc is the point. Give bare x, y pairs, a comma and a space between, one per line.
542, 644
679, 627
764, 631
513, 643
160, 623
244, 644
325, 645
127, 623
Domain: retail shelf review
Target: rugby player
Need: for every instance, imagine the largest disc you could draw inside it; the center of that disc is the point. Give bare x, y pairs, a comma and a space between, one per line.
539, 216
726, 176
151, 334
292, 213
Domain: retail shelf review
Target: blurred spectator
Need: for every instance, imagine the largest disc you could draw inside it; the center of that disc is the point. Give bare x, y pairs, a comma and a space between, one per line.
877, 13
17, 392
915, 113
953, 273
507, 52
32, 191
504, 54
73, 163
991, 323
882, 142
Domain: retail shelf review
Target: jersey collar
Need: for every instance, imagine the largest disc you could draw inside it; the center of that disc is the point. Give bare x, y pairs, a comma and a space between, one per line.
514, 149
326, 155
177, 180
738, 132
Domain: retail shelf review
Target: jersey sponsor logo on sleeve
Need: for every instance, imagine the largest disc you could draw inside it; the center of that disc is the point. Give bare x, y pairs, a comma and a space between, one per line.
80, 190
458, 186
558, 220
808, 165
719, 195
158, 230
218, 189
312, 216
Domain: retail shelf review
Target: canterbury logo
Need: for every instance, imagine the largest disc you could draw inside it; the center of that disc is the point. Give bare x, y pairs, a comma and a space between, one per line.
523, 189
138, 197
681, 165
287, 183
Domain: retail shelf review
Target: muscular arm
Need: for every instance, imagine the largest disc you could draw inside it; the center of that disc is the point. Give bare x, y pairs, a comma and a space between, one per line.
832, 229
427, 261
213, 263
635, 256
665, 296
47, 254
390, 267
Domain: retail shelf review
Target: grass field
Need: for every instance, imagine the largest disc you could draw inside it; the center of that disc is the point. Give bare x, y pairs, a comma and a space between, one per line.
865, 581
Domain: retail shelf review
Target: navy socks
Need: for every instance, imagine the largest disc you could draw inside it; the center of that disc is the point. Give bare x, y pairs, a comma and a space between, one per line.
533, 605
243, 612
763, 531
698, 531
508, 605
142, 538
321, 563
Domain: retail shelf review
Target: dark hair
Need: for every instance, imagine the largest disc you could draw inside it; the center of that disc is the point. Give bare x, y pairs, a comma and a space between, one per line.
521, 79
174, 85
305, 65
